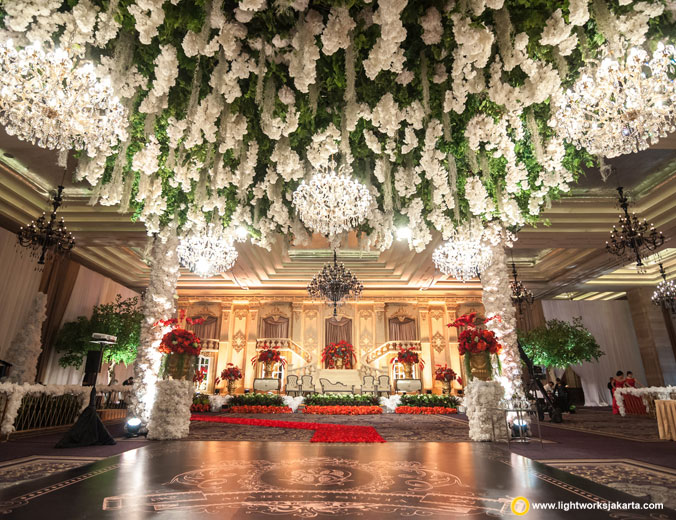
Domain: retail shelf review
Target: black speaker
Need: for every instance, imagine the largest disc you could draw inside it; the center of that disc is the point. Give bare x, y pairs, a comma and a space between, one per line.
94, 361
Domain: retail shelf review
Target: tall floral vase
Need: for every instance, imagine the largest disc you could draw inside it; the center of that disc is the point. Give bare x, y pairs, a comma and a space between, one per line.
480, 365
408, 370
338, 362
180, 366
269, 366
231, 386
446, 387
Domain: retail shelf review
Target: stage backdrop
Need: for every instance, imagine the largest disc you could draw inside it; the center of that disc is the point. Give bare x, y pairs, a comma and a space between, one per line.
611, 324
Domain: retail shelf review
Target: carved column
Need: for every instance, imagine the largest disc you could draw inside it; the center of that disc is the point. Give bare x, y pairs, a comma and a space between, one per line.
426, 347
380, 325
225, 352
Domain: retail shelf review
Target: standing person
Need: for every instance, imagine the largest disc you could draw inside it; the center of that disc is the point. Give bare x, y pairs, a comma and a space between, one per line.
561, 395
618, 382
610, 387
630, 381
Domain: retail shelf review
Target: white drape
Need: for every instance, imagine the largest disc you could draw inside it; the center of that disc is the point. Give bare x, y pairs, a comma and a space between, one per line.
19, 282
611, 324
91, 288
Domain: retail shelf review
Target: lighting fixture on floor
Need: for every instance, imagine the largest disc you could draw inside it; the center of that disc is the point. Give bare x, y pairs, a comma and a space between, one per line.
50, 99
621, 104
207, 250
332, 202
665, 293
46, 237
465, 255
133, 427
633, 238
520, 294
334, 283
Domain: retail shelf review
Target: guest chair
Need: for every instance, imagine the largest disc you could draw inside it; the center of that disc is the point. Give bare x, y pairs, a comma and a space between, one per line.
384, 385
368, 385
307, 385
292, 386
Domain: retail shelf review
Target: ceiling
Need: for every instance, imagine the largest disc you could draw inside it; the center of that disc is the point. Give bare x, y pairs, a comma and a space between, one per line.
562, 257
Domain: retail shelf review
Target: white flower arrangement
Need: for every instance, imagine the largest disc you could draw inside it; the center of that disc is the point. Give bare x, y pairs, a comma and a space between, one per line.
390, 403
481, 402
170, 418
26, 346
293, 402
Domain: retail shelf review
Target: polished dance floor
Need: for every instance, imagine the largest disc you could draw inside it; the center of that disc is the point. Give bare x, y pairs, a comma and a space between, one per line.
297, 480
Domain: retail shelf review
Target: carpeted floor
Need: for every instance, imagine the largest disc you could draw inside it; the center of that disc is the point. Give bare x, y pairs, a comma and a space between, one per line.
392, 427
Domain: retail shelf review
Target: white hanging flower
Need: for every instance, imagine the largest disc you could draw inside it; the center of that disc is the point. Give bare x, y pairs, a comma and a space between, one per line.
146, 160
477, 196
432, 28
166, 72
286, 96
386, 54
336, 34
252, 5
148, 15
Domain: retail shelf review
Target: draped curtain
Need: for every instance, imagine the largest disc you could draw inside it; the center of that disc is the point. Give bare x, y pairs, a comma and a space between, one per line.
275, 328
611, 324
403, 330
90, 288
19, 283
338, 330
206, 330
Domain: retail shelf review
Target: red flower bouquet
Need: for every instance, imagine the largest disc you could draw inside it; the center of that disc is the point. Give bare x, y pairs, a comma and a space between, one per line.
408, 356
475, 340
444, 373
343, 410
260, 409
231, 373
268, 355
200, 376
425, 410
179, 340
342, 351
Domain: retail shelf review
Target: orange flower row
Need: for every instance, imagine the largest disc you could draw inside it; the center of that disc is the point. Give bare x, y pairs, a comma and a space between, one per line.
343, 410
260, 409
200, 407
426, 410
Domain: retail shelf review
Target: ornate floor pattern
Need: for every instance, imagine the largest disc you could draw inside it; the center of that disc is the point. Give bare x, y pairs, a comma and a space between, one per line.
265, 480
601, 421
29, 468
640, 479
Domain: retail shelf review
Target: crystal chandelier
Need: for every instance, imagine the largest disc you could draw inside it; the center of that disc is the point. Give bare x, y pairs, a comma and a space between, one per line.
46, 237
465, 255
520, 294
620, 106
332, 202
48, 99
333, 283
665, 293
207, 250
634, 238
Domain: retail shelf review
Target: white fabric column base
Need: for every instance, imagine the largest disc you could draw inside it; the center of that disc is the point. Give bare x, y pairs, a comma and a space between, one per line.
481, 400
170, 418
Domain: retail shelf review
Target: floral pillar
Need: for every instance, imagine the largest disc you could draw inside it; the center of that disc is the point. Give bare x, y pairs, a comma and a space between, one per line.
497, 300
158, 304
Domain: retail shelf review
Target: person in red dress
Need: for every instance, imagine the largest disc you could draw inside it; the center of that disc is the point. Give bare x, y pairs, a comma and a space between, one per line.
630, 381
619, 381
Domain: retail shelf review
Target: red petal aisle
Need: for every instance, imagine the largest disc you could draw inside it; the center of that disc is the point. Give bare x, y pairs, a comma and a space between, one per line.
323, 432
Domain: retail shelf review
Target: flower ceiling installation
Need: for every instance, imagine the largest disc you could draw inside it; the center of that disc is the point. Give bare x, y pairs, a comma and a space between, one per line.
441, 109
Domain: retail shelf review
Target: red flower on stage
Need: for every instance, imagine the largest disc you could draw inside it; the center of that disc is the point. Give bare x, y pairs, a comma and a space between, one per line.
408, 355
231, 373
271, 353
180, 341
341, 350
343, 410
474, 339
260, 409
425, 410
444, 373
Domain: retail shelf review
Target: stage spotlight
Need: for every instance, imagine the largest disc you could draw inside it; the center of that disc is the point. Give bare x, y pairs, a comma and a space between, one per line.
519, 428
133, 427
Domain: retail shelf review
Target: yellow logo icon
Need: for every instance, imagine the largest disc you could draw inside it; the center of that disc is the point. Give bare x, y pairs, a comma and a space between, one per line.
520, 506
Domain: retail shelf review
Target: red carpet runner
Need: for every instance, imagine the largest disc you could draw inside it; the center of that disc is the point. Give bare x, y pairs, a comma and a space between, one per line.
323, 432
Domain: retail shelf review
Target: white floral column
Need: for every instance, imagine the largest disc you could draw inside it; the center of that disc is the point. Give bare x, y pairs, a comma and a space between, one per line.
27, 343
170, 418
486, 422
158, 303
497, 300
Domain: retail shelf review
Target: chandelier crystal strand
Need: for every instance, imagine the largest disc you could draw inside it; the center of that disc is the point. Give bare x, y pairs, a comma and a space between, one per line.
331, 202
465, 255
334, 283
665, 293
46, 237
621, 106
48, 99
207, 250
634, 238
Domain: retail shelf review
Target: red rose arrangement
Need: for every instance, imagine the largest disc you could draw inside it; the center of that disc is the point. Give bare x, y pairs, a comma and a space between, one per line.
268, 354
200, 376
444, 373
342, 350
179, 340
260, 409
231, 373
343, 410
475, 340
425, 410
408, 355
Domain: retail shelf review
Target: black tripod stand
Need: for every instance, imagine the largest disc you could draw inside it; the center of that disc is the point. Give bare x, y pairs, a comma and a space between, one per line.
532, 388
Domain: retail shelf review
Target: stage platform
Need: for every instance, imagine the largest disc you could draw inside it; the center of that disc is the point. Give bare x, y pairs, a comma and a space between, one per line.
296, 480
